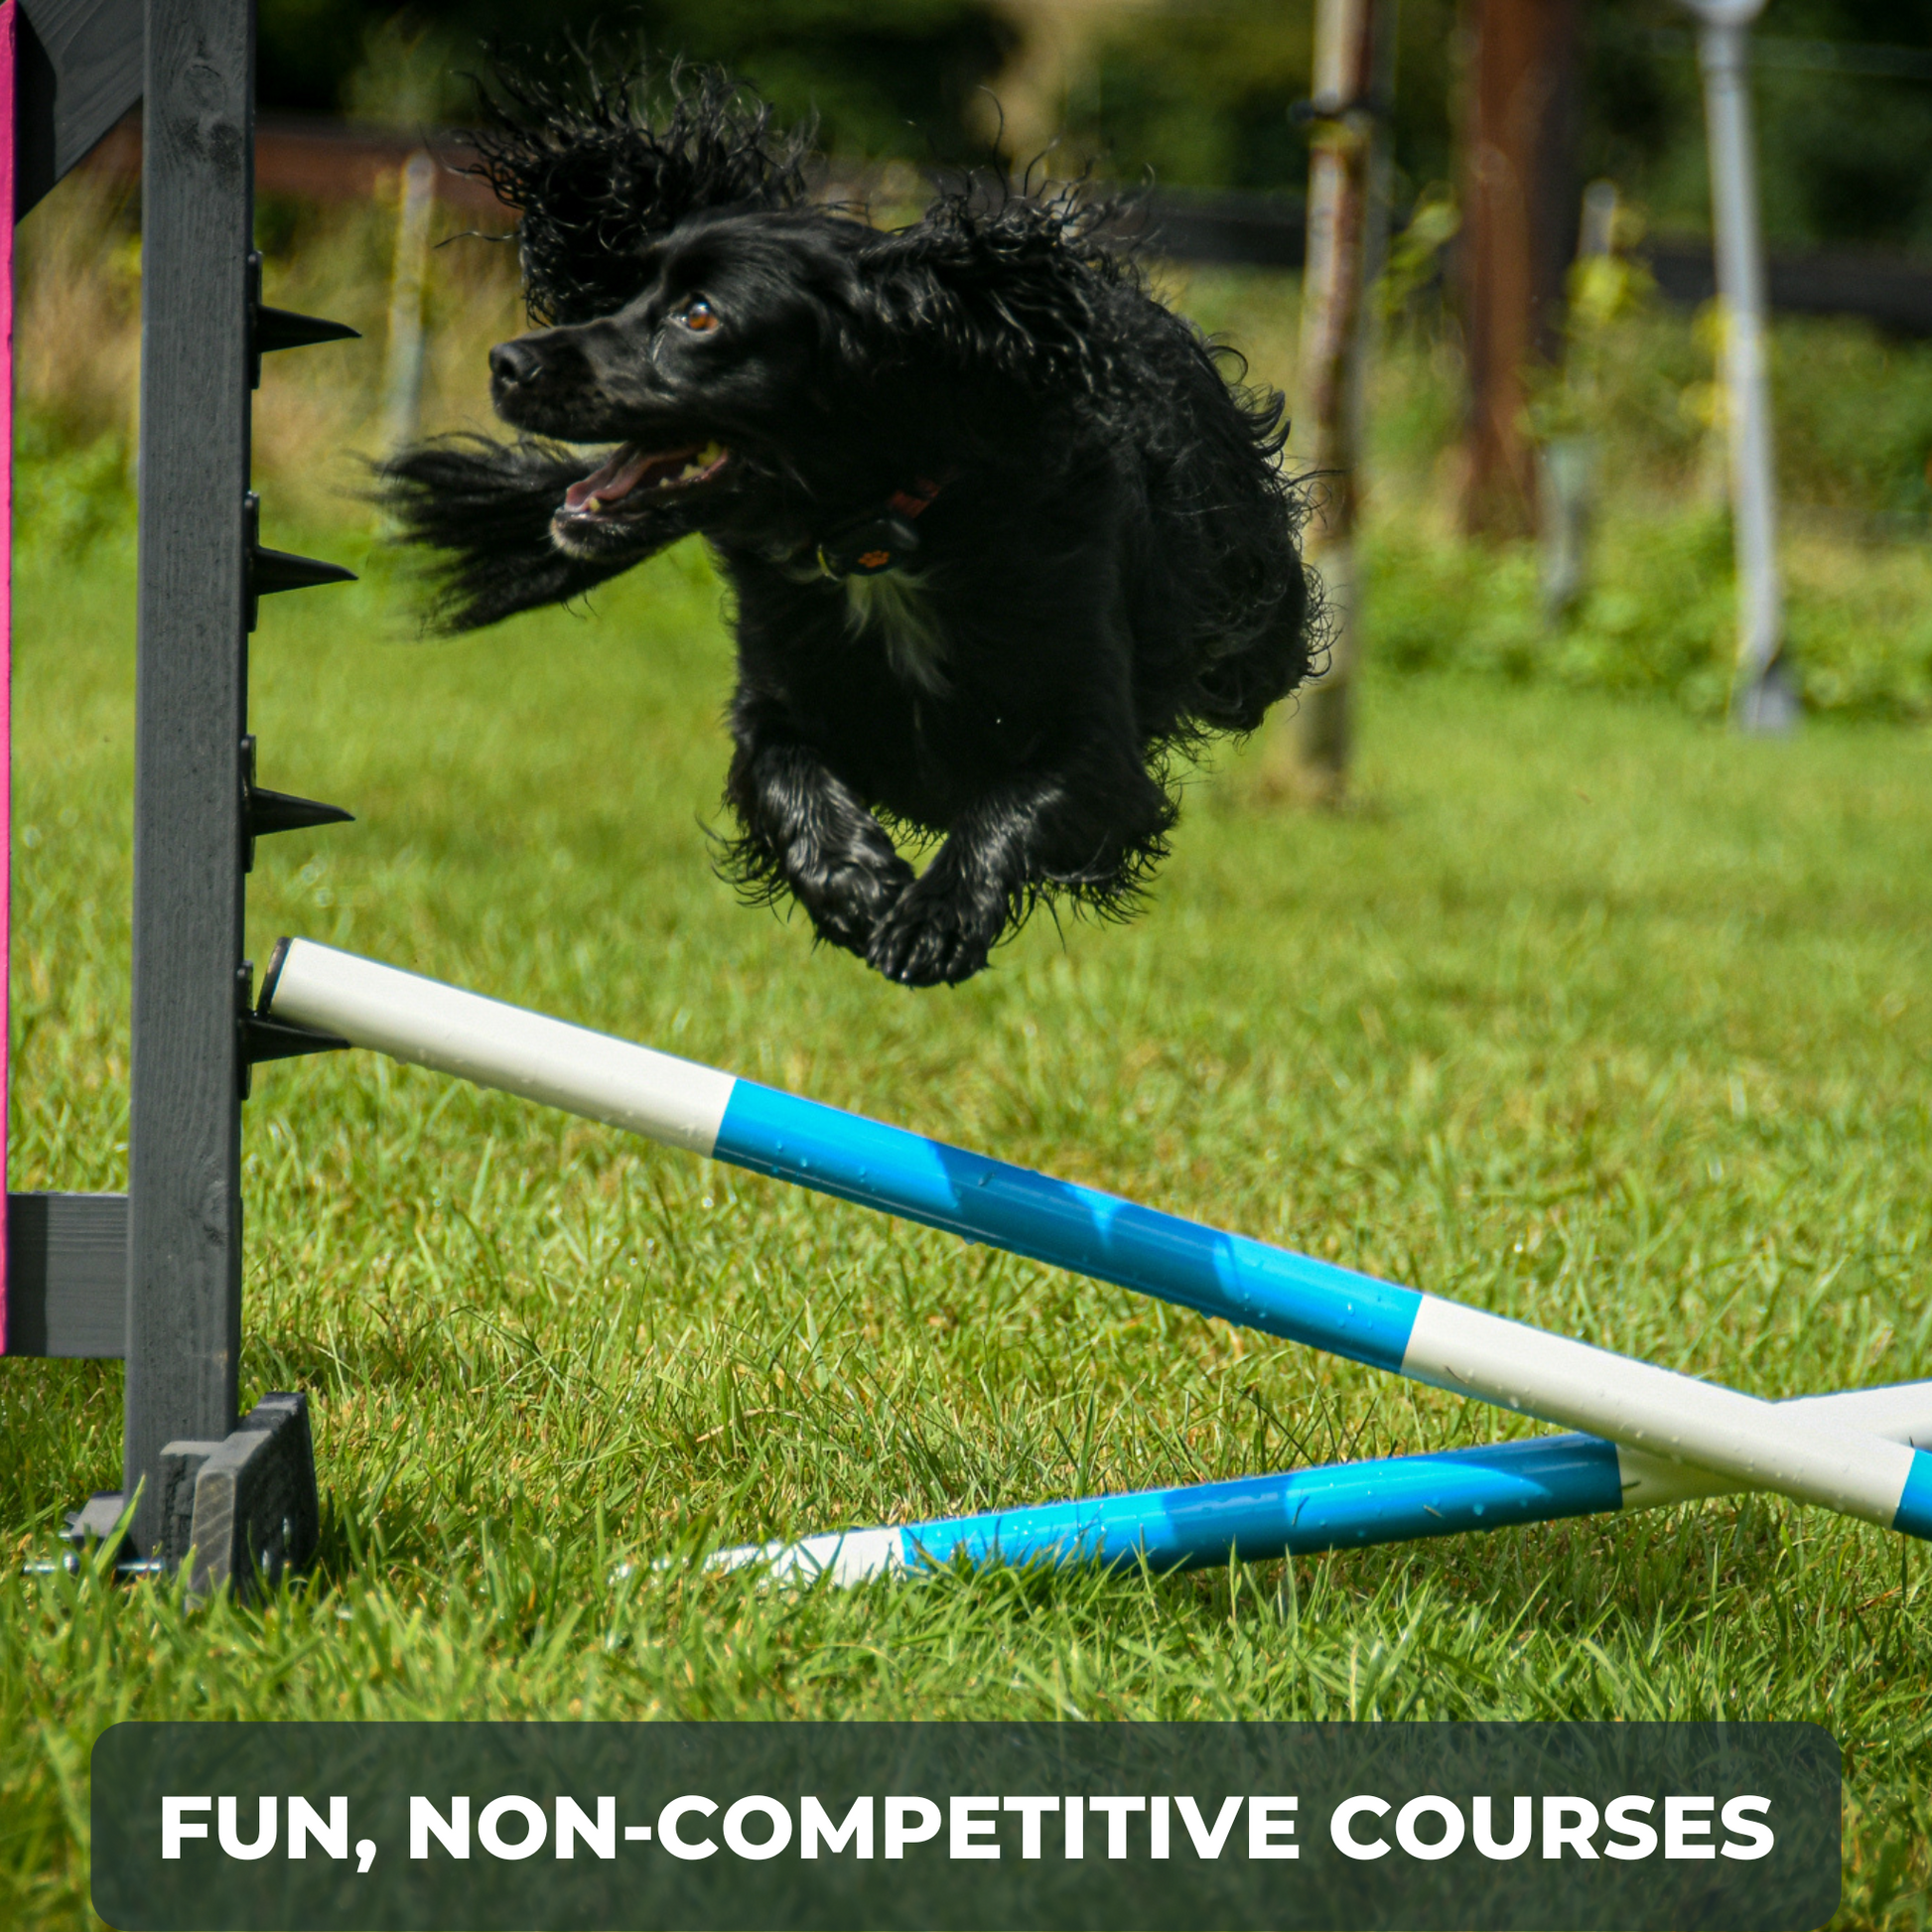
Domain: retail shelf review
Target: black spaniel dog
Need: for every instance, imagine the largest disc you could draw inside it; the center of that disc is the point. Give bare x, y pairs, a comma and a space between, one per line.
1000, 532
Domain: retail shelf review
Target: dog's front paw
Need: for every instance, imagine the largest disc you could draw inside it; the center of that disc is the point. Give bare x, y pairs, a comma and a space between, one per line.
936, 936
848, 901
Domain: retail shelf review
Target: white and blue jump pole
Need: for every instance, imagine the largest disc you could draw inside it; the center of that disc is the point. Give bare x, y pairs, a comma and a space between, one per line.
1345, 1506
1755, 1444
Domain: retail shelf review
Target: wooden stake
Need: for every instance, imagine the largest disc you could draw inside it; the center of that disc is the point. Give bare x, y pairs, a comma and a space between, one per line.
1519, 237
1353, 66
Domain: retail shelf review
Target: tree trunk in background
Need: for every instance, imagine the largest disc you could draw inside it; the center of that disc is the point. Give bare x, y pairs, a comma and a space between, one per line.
1354, 50
1520, 213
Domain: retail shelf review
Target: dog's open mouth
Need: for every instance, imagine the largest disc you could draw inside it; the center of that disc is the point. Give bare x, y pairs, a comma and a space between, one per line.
634, 478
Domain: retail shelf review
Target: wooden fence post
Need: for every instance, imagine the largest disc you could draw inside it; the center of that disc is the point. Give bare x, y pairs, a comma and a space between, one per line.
1354, 50
1519, 237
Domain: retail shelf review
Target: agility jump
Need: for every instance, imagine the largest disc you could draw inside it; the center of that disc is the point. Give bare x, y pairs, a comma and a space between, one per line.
1811, 1453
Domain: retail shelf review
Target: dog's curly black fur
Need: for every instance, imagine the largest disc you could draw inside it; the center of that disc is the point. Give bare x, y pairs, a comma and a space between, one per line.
1001, 531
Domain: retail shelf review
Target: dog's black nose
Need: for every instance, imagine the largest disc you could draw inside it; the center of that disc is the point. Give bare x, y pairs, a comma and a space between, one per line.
515, 366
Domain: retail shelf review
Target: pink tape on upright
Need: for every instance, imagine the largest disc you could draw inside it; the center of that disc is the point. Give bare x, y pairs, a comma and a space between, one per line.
7, 18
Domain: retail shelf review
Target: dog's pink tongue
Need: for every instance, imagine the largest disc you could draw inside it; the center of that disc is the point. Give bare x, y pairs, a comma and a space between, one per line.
618, 478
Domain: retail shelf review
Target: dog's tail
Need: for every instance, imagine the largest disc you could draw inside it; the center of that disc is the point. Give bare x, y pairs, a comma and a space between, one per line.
485, 507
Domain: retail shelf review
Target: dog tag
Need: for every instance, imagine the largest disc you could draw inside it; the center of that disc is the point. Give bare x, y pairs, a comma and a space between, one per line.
866, 547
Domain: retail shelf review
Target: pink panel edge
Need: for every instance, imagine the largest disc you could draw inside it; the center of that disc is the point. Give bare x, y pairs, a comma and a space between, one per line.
7, 21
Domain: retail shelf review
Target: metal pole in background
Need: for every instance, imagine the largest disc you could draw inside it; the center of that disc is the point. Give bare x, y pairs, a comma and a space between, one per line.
1763, 698
403, 405
1354, 50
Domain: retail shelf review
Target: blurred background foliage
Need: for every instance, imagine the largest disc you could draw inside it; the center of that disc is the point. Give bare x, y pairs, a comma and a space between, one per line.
1196, 92
1202, 97
1843, 114
1854, 434
886, 77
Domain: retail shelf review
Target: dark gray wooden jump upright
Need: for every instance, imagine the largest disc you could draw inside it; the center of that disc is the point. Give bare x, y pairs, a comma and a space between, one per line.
184, 1194
241, 1492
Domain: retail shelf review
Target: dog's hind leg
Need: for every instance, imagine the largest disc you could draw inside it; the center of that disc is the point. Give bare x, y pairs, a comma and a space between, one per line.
1086, 831
807, 833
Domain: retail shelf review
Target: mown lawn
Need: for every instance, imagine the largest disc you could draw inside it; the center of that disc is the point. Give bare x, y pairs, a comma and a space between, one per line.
1587, 1012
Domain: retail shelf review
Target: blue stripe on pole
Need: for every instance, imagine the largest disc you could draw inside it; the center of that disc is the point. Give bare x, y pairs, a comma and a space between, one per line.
1256, 1517
1067, 1226
1914, 1516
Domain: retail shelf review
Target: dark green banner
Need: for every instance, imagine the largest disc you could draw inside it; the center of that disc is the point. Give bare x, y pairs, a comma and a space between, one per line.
737, 1828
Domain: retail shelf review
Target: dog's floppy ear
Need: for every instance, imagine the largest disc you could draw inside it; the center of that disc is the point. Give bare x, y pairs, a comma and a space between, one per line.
1015, 288
595, 173
487, 506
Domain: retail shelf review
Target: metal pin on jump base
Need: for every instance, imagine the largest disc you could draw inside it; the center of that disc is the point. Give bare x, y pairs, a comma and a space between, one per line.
1753, 1443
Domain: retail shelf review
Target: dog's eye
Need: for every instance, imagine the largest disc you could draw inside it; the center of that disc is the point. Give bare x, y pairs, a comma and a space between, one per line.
699, 317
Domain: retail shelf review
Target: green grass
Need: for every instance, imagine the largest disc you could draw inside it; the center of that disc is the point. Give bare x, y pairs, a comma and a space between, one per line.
1586, 1013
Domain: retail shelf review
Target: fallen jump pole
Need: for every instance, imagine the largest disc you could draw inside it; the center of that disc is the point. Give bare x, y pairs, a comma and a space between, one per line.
1757, 1444
1393, 1499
